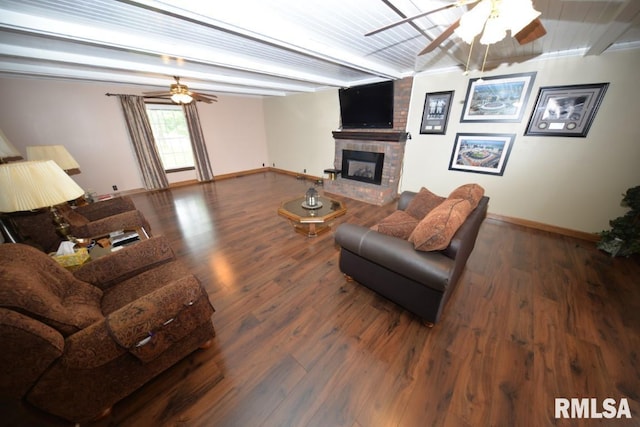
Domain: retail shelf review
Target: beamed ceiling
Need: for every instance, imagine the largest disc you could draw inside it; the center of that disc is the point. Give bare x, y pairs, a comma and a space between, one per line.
277, 47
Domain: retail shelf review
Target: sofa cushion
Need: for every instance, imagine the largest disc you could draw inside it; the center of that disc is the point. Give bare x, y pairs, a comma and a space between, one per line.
32, 283
470, 192
435, 231
422, 203
398, 224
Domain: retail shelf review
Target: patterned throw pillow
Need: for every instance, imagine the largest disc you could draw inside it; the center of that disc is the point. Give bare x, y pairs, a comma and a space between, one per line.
422, 203
398, 224
435, 231
470, 192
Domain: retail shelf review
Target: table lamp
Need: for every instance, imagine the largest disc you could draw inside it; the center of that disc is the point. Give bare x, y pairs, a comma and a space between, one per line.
34, 185
57, 153
8, 153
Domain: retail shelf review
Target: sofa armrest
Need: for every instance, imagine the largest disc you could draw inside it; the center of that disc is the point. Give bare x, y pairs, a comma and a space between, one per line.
126, 263
153, 323
124, 220
105, 208
29, 347
398, 255
464, 239
144, 328
405, 199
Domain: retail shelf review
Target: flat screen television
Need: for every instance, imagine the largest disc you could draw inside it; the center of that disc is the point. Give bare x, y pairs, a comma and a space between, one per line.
367, 106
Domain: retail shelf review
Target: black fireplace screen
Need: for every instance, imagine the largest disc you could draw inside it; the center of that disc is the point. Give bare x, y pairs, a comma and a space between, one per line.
362, 166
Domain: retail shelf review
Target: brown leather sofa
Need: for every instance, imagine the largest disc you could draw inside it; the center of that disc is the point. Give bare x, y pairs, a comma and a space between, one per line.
419, 281
73, 344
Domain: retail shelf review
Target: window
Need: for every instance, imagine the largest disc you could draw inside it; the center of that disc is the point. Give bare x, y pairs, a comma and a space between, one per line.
171, 133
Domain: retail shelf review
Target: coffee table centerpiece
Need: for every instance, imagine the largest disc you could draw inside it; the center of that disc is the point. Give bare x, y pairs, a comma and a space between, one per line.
311, 214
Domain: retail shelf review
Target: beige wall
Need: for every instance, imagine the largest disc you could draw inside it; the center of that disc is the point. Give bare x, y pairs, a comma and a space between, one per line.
299, 131
573, 183
92, 127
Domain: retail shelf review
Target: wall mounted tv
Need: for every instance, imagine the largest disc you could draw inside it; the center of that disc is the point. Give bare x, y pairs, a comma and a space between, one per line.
367, 106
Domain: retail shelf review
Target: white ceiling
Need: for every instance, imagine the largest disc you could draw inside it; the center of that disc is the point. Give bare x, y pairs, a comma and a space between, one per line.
276, 47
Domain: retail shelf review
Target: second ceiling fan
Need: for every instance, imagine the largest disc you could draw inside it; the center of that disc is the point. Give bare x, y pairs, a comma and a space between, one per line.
180, 94
491, 18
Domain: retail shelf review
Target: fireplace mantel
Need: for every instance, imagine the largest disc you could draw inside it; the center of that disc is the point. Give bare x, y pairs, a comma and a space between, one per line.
371, 136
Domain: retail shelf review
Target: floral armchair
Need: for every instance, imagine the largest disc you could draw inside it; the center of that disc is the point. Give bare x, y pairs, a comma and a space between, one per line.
73, 344
38, 229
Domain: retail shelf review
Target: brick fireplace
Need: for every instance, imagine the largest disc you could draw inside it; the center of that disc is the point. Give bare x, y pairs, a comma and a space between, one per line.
388, 146
389, 142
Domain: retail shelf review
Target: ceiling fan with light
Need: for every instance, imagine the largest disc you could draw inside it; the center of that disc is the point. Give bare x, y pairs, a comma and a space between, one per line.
180, 94
489, 18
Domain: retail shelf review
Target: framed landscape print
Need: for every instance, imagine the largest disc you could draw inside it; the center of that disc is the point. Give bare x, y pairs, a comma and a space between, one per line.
566, 110
436, 112
481, 152
498, 98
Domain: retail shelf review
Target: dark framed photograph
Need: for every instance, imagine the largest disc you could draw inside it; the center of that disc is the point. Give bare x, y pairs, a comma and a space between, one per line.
566, 110
498, 98
481, 152
436, 112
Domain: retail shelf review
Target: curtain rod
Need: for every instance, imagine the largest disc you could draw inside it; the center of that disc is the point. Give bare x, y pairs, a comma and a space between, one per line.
128, 94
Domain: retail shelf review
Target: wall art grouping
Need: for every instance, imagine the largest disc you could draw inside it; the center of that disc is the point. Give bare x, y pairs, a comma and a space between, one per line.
559, 111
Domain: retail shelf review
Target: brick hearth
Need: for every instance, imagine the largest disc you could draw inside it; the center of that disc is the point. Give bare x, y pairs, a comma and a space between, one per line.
392, 144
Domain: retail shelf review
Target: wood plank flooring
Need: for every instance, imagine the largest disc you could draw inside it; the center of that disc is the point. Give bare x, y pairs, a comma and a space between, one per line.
536, 316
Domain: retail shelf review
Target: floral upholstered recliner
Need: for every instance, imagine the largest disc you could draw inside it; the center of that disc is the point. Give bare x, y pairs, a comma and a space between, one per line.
73, 344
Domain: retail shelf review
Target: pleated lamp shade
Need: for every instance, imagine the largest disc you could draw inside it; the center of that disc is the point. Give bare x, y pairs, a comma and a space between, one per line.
57, 153
34, 185
7, 151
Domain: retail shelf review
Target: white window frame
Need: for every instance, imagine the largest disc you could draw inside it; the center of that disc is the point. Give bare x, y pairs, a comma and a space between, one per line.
183, 158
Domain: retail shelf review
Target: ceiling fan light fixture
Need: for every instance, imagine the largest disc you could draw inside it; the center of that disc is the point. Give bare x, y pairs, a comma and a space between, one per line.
494, 31
492, 19
181, 98
518, 14
180, 93
472, 22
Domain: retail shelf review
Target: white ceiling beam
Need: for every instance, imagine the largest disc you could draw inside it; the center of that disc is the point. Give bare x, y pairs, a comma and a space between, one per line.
154, 46
52, 71
124, 65
288, 41
628, 14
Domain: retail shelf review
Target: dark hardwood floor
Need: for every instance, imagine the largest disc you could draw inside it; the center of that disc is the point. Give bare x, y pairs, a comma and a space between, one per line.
536, 316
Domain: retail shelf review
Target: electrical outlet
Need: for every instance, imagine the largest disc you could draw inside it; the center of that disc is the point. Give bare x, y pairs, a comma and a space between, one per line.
115, 187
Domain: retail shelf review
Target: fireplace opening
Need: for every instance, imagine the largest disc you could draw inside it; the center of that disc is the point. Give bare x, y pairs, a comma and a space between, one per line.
362, 166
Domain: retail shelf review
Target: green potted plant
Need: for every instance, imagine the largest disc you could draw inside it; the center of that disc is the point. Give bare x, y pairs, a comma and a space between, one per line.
624, 237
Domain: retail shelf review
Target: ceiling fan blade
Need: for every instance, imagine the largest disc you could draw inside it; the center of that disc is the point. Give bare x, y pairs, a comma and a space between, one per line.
442, 37
533, 31
204, 98
420, 15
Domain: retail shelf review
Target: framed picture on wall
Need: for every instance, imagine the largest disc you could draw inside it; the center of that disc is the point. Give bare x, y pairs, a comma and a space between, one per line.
498, 98
566, 110
481, 152
436, 112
